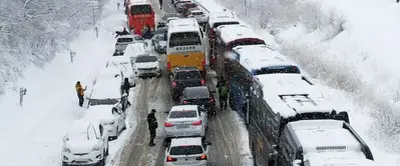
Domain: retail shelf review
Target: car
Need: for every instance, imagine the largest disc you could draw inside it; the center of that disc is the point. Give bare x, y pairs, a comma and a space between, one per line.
109, 73
159, 32
169, 15
183, 77
178, 3
108, 115
186, 6
160, 43
172, 18
199, 15
85, 143
185, 121
187, 151
136, 49
147, 66
108, 93
161, 24
187, 12
199, 95
125, 65
121, 43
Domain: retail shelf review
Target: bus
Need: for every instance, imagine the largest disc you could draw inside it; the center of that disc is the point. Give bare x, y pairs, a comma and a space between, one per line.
243, 63
215, 20
185, 46
228, 37
140, 15
278, 99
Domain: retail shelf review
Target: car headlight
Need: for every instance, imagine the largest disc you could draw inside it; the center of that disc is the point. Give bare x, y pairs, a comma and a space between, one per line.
67, 150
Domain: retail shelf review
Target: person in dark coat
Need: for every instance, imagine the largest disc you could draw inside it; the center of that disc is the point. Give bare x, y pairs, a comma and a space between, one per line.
147, 34
153, 125
80, 92
161, 3
121, 33
126, 87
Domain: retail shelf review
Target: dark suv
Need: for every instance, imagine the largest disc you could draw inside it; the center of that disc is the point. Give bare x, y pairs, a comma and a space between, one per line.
183, 77
201, 96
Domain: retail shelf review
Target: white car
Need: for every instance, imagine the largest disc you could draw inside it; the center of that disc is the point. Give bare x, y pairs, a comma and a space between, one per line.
122, 42
109, 73
147, 66
185, 121
85, 144
124, 63
199, 15
108, 93
136, 49
187, 151
110, 117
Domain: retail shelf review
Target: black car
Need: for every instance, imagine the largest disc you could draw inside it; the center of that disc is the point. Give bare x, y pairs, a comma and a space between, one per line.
199, 95
183, 77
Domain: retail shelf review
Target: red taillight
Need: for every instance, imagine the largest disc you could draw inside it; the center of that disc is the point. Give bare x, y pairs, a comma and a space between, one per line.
197, 123
185, 102
212, 100
173, 84
203, 62
203, 82
202, 157
171, 159
169, 66
166, 124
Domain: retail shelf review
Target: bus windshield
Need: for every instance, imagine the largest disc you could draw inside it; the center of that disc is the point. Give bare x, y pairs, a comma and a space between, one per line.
184, 39
141, 9
277, 70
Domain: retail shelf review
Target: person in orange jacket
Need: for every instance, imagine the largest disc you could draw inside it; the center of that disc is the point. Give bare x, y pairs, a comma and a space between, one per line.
80, 92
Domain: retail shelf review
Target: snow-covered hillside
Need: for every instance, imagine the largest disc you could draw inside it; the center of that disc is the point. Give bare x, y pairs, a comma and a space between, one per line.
33, 31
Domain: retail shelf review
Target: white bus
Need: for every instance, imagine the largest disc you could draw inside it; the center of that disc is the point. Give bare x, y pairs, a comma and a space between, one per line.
185, 45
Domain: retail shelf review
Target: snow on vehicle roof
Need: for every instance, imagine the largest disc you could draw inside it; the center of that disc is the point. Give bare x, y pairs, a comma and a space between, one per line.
135, 49
138, 2
110, 70
317, 136
196, 11
222, 17
229, 33
185, 141
290, 94
80, 126
118, 59
99, 113
258, 56
106, 89
337, 159
184, 107
183, 25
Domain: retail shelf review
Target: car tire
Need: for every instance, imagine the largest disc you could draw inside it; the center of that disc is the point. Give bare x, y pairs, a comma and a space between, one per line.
102, 162
64, 164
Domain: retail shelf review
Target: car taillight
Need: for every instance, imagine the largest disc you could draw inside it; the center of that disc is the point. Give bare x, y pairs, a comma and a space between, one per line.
185, 102
203, 82
174, 84
171, 159
166, 124
212, 100
203, 62
169, 66
197, 123
202, 157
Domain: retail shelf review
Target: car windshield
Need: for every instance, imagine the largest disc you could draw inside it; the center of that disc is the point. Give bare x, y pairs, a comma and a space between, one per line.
93, 102
188, 75
196, 93
183, 114
125, 40
144, 59
184, 39
186, 150
197, 13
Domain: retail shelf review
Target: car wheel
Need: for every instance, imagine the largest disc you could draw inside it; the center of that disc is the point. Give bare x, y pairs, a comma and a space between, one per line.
124, 128
102, 162
107, 151
64, 164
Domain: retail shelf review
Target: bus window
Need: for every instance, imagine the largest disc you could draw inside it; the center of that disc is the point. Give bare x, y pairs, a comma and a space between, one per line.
277, 69
244, 42
184, 39
141, 9
217, 24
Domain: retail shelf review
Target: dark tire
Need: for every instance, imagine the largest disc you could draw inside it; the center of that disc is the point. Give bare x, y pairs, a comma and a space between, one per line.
64, 164
107, 152
102, 162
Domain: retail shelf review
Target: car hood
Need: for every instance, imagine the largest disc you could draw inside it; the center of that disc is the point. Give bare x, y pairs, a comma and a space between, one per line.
80, 145
146, 65
162, 43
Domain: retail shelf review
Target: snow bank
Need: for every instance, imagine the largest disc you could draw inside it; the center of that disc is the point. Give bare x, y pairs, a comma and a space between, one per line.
33, 31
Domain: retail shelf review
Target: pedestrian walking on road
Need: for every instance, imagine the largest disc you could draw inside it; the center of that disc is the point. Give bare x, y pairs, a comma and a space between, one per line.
80, 92
223, 94
161, 3
153, 125
126, 87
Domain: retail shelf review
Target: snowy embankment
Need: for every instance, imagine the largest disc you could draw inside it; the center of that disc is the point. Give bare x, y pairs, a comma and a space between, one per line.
32, 134
32, 32
347, 45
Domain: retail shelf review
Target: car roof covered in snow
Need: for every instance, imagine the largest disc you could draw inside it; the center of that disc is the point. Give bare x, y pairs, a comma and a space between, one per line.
292, 94
119, 59
183, 25
99, 113
80, 126
106, 89
337, 159
228, 33
317, 136
222, 17
138, 2
186, 141
110, 70
184, 107
135, 49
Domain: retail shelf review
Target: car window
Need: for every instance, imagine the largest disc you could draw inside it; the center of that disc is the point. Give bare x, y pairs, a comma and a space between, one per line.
197, 13
183, 114
187, 75
197, 93
142, 59
124, 40
186, 150
93, 102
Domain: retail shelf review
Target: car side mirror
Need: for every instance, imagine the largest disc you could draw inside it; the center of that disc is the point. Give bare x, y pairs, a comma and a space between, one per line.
296, 162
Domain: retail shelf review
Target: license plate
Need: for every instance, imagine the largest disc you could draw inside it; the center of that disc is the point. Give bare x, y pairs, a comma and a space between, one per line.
181, 126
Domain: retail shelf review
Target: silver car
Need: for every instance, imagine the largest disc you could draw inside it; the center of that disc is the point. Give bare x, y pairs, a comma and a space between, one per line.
187, 151
199, 15
185, 121
147, 66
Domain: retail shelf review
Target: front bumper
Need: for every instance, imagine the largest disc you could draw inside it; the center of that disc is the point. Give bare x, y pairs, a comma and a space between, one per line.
90, 158
144, 73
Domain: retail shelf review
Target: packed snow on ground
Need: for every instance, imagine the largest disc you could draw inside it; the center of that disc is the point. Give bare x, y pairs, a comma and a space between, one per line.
34, 132
348, 45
